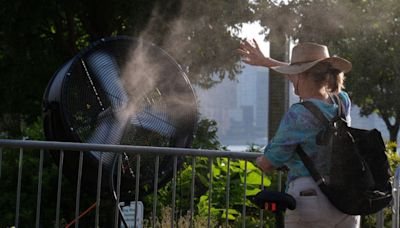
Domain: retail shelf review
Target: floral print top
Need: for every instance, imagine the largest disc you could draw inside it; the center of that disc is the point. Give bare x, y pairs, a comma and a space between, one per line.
300, 127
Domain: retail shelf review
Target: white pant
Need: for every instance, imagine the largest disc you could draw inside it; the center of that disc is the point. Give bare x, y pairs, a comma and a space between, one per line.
315, 210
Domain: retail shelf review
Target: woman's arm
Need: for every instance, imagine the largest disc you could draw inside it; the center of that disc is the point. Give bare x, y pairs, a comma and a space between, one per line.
263, 163
252, 55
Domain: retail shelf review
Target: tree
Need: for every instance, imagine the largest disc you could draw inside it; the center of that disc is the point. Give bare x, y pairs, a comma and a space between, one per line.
363, 31
373, 82
37, 38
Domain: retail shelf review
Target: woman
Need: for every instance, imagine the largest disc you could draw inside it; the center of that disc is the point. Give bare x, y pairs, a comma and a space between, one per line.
315, 77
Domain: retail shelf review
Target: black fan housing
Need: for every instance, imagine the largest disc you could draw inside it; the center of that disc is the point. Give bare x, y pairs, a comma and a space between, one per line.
120, 90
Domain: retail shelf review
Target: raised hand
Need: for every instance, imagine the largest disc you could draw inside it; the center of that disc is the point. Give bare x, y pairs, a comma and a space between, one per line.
252, 55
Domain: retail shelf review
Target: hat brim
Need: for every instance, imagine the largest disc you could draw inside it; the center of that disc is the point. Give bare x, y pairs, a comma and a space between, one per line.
337, 63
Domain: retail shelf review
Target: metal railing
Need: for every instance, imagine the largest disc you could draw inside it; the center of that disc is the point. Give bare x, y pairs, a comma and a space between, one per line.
396, 199
138, 151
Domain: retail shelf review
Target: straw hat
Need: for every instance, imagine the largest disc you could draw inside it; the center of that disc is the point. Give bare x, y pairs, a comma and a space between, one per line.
307, 55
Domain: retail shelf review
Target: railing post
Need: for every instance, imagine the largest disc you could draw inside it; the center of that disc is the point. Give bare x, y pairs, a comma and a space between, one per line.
1, 159
244, 195
39, 191
137, 187
60, 168
228, 186
98, 191
261, 210
380, 219
156, 168
395, 208
21, 156
117, 194
174, 190
210, 180
78, 189
192, 192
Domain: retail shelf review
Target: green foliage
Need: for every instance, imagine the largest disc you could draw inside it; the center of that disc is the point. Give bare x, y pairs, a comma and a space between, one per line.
206, 138
254, 178
183, 221
37, 38
237, 177
206, 135
29, 181
28, 196
393, 157
34, 131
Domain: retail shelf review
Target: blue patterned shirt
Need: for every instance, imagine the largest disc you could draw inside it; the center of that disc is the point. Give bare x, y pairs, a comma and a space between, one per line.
299, 126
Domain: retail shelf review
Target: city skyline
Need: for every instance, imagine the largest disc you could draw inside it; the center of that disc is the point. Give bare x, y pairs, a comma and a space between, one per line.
240, 108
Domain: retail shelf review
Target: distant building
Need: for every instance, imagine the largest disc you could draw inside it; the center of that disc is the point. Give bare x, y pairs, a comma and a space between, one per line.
216, 103
240, 108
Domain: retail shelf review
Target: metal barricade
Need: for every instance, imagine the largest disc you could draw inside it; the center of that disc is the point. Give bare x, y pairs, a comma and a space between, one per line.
39, 148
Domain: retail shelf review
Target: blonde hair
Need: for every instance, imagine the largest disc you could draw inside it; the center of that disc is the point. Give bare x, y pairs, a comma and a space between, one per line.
325, 74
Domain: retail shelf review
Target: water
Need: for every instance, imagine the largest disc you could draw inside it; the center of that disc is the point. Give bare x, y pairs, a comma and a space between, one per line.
243, 148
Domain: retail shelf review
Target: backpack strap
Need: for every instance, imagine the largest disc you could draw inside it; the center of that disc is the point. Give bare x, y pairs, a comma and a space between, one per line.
340, 105
316, 112
310, 166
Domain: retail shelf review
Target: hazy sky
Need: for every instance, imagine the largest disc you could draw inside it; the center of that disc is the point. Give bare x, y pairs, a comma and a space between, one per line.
252, 31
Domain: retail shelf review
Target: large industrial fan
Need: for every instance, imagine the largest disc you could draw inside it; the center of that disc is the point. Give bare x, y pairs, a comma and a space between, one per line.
120, 91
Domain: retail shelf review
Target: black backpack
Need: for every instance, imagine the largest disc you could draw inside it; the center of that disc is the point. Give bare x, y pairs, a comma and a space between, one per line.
357, 182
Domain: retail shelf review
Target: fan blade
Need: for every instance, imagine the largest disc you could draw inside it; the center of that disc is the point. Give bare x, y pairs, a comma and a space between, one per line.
154, 120
106, 71
109, 129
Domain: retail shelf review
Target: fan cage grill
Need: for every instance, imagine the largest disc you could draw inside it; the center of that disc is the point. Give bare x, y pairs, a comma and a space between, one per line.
93, 98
